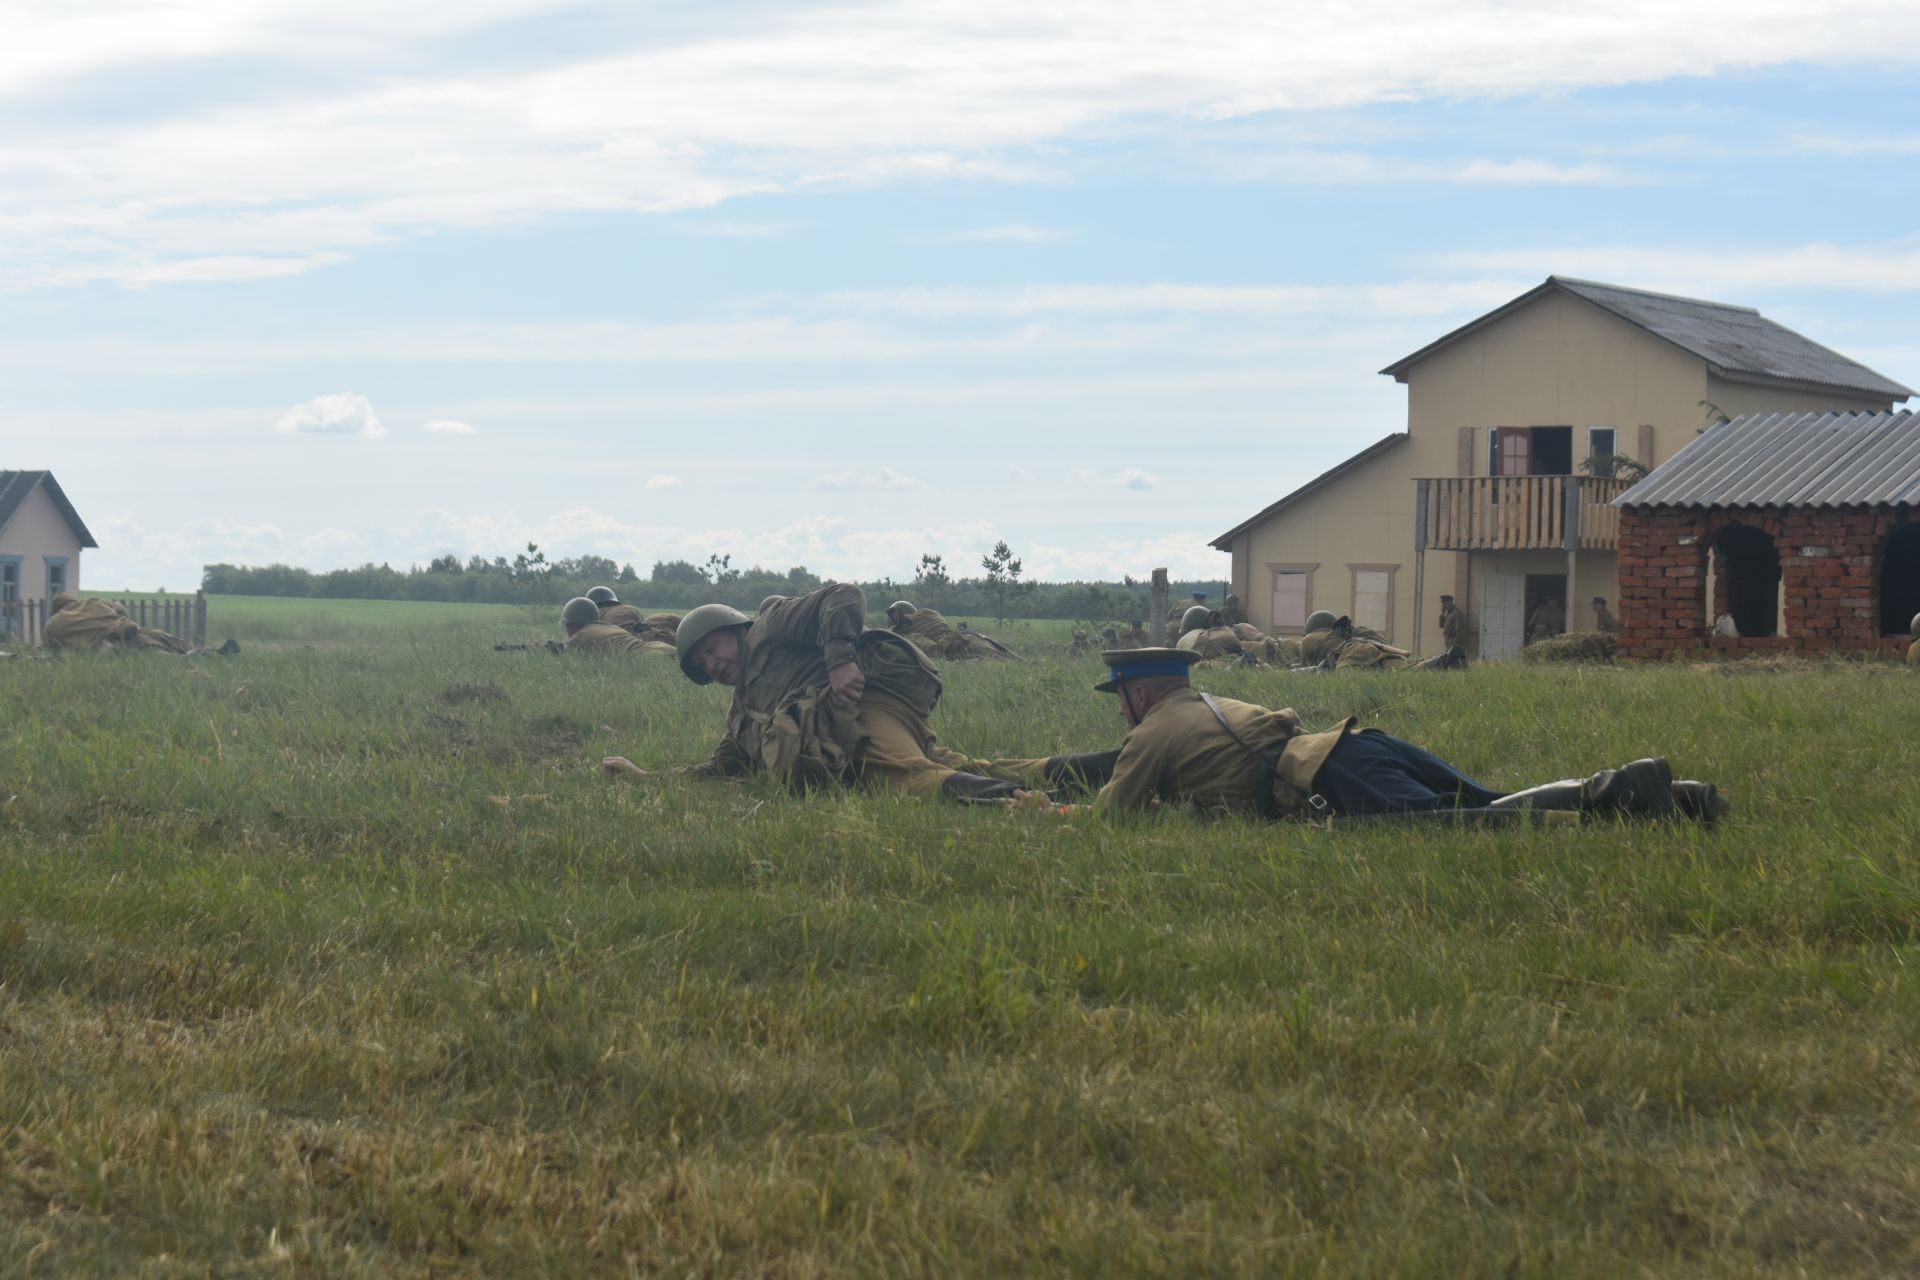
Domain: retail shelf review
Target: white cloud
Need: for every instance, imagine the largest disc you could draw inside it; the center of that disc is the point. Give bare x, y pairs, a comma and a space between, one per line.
663, 482
1012, 233
884, 478
448, 427
1411, 297
1125, 478
377, 127
345, 414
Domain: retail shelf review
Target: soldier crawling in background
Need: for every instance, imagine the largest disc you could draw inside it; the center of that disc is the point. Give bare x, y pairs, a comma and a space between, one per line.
94, 623
820, 699
658, 626
587, 633
930, 634
1338, 644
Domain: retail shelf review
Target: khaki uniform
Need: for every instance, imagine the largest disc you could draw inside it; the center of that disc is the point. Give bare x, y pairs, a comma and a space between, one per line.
1235, 613
1350, 652
604, 637
1180, 752
622, 615
1913, 654
1451, 623
1550, 619
93, 622
1604, 619
930, 633
784, 720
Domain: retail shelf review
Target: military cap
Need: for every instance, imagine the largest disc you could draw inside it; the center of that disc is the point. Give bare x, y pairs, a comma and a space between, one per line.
1199, 595
602, 596
1599, 599
1445, 596
1143, 664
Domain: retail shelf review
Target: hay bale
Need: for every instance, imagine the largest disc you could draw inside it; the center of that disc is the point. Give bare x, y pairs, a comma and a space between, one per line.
1574, 646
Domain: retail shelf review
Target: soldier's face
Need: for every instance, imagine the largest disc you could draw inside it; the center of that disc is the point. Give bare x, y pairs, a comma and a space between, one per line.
718, 654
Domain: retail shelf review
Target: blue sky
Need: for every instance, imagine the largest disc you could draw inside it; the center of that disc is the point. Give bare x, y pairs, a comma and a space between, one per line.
840, 284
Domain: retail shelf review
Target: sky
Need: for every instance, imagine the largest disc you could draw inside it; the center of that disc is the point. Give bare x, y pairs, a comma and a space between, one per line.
837, 285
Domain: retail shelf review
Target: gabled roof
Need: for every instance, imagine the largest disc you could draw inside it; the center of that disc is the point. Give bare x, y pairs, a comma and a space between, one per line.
1791, 460
1225, 541
1738, 343
15, 486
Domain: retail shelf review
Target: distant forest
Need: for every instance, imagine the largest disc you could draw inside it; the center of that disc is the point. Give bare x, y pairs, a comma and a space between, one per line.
999, 590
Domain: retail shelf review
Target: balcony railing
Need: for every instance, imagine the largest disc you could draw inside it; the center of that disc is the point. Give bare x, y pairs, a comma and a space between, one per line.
1519, 513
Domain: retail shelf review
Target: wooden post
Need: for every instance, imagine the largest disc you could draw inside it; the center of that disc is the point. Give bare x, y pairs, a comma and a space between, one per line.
1419, 561
1573, 545
1157, 624
200, 617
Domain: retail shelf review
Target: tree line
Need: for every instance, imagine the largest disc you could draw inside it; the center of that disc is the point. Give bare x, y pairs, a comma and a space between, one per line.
1000, 589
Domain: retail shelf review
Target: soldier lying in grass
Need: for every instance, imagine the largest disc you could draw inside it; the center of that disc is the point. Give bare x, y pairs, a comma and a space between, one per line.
1183, 745
588, 633
820, 699
93, 623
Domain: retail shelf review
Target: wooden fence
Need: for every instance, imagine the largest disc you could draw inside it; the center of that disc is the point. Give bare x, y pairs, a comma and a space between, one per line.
23, 623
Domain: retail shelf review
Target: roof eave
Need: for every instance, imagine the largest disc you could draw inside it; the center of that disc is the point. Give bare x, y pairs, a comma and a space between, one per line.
1225, 541
1893, 392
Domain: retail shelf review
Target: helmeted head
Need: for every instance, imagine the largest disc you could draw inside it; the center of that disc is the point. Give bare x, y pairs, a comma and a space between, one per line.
120, 610
708, 643
1231, 600
602, 596
1194, 619
578, 612
1599, 602
900, 610
1913, 628
64, 600
1320, 620
768, 603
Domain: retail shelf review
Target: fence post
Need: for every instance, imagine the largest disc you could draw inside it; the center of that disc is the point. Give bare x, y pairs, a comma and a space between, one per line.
1157, 623
200, 617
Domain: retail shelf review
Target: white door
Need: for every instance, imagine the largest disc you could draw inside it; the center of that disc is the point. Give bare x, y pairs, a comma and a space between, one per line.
1503, 614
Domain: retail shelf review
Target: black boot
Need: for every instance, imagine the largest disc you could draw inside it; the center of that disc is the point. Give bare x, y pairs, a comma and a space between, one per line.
1080, 771
1642, 789
1700, 801
971, 788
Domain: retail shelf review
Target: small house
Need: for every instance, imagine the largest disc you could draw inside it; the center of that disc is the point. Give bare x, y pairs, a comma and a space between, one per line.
41, 537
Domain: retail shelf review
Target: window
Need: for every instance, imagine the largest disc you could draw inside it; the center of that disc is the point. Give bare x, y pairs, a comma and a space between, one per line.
1530, 451
9, 595
1600, 442
1372, 604
56, 575
1292, 591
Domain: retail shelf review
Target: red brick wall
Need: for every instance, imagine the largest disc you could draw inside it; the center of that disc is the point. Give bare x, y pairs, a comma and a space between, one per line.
1829, 568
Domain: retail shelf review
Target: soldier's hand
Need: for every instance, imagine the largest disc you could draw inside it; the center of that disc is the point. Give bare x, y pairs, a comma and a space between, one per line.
621, 767
847, 681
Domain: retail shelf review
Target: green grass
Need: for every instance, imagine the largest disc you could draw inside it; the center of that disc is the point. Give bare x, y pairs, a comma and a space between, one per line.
340, 958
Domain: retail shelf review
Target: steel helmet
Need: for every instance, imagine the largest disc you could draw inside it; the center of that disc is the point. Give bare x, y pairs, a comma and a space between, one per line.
1913, 628
602, 595
901, 606
697, 626
1320, 620
578, 612
1195, 618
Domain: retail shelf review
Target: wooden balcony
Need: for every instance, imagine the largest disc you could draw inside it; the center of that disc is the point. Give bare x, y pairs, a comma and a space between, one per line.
1518, 513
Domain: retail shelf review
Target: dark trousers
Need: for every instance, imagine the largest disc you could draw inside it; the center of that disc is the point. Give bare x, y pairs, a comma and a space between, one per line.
1372, 772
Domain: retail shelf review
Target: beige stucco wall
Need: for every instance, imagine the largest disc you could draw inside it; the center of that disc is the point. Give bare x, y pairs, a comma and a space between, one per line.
1560, 361
1737, 398
36, 531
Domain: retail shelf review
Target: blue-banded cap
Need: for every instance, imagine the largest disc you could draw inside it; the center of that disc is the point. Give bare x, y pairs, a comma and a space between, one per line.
1144, 664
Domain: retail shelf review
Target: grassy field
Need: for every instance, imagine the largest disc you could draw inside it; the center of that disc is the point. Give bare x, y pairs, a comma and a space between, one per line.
341, 958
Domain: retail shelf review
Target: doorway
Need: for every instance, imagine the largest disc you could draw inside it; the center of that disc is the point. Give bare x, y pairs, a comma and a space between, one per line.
1503, 615
1900, 580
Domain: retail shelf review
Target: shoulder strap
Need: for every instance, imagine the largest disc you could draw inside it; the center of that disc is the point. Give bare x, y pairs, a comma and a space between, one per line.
1221, 716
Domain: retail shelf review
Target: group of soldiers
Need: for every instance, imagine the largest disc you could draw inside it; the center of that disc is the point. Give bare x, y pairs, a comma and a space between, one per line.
822, 700
1547, 619
90, 622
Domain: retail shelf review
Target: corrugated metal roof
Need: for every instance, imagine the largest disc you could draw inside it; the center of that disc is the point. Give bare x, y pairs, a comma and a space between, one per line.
1791, 460
16, 485
1738, 343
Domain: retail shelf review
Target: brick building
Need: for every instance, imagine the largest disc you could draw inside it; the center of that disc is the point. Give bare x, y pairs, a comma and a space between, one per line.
1801, 531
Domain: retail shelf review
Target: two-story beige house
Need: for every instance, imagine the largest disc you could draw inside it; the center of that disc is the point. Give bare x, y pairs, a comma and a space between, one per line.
1497, 492
41, 537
